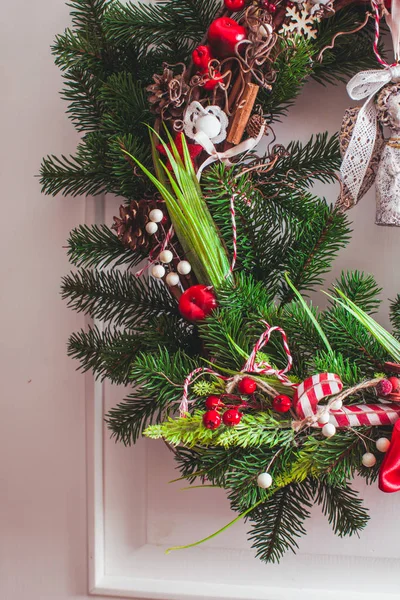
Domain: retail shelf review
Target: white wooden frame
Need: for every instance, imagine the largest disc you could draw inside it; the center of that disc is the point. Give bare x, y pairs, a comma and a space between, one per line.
229, 573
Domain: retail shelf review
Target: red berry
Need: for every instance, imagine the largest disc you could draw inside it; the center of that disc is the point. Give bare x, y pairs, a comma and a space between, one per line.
197, 302
384, 387
282, 403
211, 83
395, 381
234, 5
247, 386
212, 419
214, 403
271, 8
232, 417
201, 56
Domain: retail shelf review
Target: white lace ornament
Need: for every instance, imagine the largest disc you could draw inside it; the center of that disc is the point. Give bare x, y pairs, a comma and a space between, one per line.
212, 121
359, 152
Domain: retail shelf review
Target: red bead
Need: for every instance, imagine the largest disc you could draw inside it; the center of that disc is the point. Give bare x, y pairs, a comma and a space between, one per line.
201, 56
247, 386
271, 8
211, 419
214, 403
232, 417
234, 5
395, 381
282, 403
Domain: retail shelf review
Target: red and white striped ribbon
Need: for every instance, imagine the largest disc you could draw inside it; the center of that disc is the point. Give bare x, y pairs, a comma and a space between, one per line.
357, 415
263, 367
313, 389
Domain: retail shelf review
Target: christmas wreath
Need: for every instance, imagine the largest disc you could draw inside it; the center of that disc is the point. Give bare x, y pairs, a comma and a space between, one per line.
201, 281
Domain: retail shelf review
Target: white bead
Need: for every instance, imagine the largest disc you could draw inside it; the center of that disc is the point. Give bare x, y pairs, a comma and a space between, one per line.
172, 279
210, 125
368, 459
264, 480
184, 267
156, 215
151, 227
329, 430
158, 271
323, 419
166, 256
336, 405
382, 444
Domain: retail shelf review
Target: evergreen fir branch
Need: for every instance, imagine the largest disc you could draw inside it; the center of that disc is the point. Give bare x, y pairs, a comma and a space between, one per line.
127, 108
88, 15
395, 315
96, 246
343, 508
361, 288
348, 337
75, 50
335, 362
245, 295
164, 22
77, 175
254, 430
311, 255
122, 298
81, 91
292, 66
351, 53
109, 353
302, 164
127, 180
279, 521
157, 378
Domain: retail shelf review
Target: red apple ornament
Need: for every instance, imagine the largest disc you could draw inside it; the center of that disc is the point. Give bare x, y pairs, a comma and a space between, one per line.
201, 56
223, 35
234, 5
197, 302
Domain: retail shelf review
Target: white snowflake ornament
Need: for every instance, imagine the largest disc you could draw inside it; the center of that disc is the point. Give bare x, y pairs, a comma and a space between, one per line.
301, 22
212, 121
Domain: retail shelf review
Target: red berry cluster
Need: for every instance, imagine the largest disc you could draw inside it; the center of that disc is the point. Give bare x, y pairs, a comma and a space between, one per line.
389, 387
232, 416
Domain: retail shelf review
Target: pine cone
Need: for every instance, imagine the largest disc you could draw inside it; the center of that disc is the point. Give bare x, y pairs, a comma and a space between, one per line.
254, 125
131, 224
168, 93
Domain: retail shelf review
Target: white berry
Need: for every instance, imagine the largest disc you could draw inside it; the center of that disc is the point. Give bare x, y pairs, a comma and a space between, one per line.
172, 279
158, 271
166, 256
323, 419
156, 215
329, 430
184, 267
151, 227
210, 125
264, 480
368, 459
382, 444
336, 405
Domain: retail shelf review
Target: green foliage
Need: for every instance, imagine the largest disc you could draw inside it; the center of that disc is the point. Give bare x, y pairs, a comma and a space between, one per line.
395, 315
279, 521
361, 288
157, 378
119, 297
343, 508
253, 430
97, 246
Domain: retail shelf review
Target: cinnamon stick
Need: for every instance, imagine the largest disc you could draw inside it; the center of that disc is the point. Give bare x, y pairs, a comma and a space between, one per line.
242, 113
